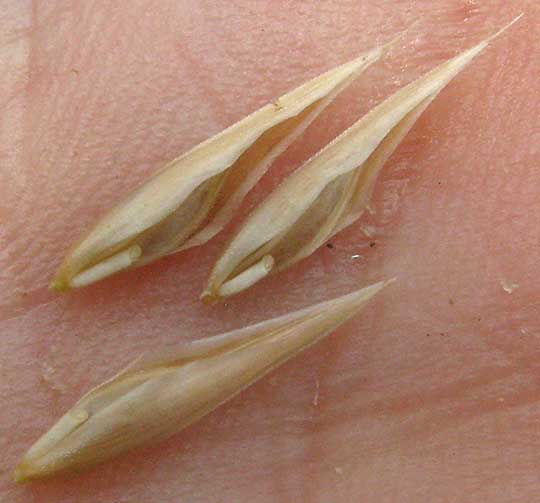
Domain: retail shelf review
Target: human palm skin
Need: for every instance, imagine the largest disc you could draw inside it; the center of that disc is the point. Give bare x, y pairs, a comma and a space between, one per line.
429, 395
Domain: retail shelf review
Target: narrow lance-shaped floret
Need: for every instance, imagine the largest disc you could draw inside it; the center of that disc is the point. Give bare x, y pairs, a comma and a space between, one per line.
330, 191
165, 391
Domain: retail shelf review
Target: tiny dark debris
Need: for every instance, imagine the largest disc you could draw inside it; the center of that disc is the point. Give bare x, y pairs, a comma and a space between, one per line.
372, 244
330, 245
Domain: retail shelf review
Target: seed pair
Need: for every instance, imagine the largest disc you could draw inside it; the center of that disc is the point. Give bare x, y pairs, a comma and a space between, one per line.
193, 197
185, 205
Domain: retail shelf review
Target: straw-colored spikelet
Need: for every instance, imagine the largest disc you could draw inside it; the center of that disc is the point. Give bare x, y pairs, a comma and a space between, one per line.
193, 197
330, 191
161, 393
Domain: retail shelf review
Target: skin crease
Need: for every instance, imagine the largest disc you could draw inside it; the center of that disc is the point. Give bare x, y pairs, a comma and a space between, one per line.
429, 395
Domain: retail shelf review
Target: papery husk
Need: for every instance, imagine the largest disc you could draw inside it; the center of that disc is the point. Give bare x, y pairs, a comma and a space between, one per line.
166, 390
330, 191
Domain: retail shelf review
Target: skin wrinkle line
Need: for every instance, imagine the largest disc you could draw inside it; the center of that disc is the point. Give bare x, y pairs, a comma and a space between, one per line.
26, 122
433, 424
440, 396
513, 360
16, 63
517, 367
30, 301
473, 413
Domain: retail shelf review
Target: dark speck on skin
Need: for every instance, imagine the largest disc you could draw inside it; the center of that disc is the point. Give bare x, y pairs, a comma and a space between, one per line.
330, 245
372, 244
